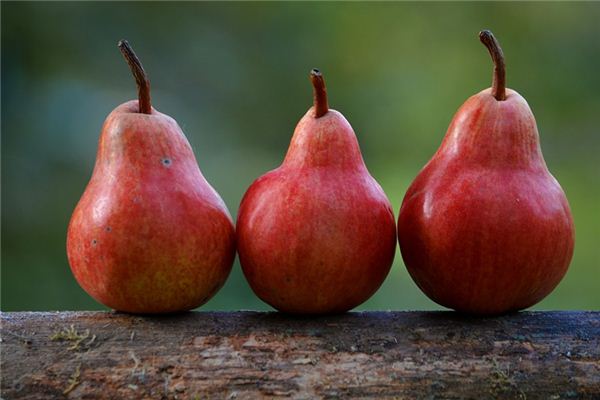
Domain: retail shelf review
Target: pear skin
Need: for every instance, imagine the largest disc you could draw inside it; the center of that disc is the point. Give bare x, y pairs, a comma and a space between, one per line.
485, 228
149, 234
317, 235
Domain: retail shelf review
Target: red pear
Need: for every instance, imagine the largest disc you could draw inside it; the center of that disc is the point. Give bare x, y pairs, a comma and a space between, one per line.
317, 235
485, 228
149, 235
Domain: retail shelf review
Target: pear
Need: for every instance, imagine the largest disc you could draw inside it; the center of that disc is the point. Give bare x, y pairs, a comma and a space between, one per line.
317, 235
149, 234
485, 228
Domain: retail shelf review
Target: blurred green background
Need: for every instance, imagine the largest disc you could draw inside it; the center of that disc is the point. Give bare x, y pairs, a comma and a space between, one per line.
235, 77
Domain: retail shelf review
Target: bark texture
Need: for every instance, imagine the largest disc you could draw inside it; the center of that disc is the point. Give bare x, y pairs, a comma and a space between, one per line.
247, 355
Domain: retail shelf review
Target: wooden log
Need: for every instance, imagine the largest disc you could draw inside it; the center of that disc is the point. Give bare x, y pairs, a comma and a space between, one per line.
246, 355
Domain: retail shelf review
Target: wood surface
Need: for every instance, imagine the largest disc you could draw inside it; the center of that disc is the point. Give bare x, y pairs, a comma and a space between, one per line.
247, 355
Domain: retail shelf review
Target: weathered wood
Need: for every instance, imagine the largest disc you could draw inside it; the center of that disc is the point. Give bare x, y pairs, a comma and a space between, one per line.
533, 355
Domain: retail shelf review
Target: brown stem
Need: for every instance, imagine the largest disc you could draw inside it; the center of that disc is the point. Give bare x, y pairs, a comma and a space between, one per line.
499, 80
141, 79
319, 93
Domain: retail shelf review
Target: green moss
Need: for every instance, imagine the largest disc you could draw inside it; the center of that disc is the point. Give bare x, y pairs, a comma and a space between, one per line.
76, 338
74, 380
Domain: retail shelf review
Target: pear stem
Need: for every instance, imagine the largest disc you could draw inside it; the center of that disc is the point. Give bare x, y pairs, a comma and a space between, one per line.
141, 79
319, 93
499, 80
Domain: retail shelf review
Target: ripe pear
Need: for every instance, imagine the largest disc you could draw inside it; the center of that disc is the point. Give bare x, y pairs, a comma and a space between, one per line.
485, 228
149, 235
317, 235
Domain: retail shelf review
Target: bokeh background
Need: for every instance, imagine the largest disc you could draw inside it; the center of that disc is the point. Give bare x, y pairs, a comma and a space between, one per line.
235, 77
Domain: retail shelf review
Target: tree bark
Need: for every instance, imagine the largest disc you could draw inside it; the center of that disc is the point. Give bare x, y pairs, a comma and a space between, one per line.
247, 355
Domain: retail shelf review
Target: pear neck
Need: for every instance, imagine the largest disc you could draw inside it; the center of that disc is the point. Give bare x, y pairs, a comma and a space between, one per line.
328, 141
494, 134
